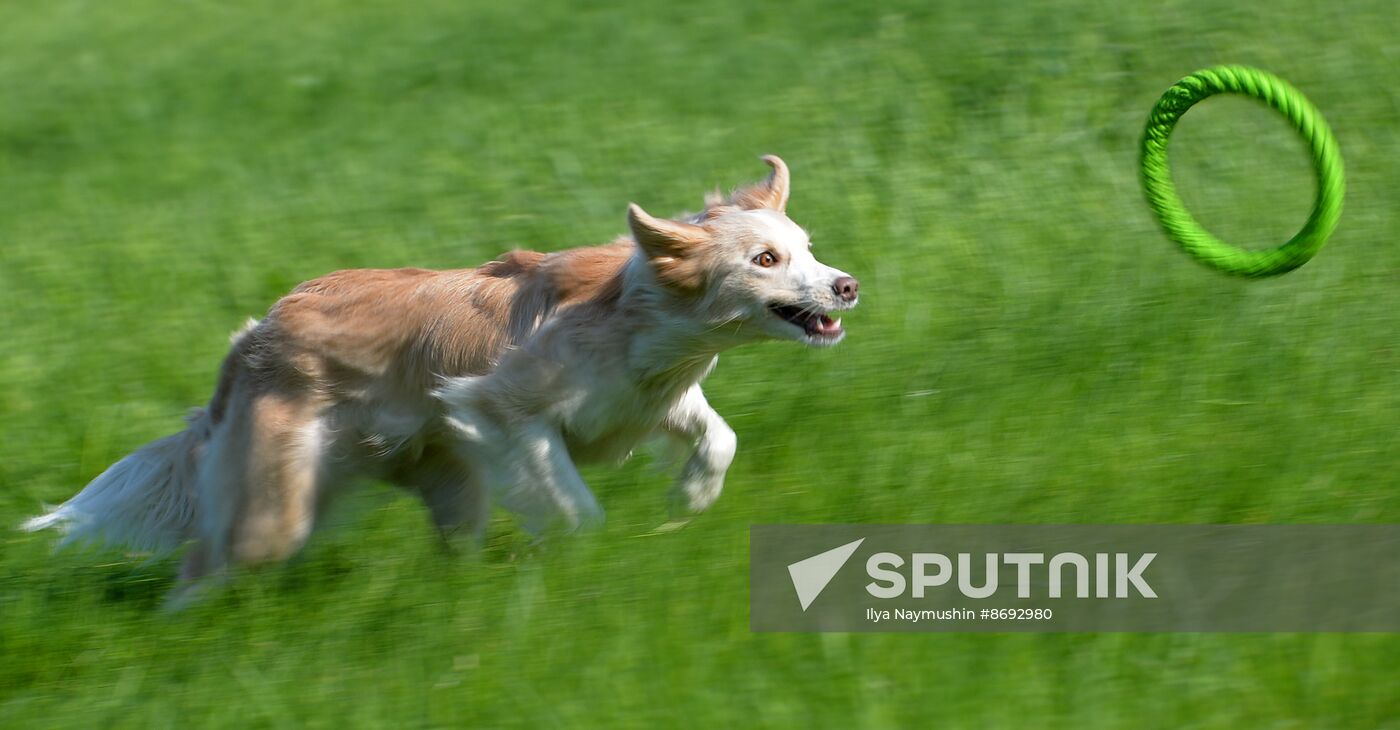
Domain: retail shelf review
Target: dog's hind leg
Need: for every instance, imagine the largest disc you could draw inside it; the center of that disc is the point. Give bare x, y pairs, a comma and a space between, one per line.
284, 469
457, 503
258, 484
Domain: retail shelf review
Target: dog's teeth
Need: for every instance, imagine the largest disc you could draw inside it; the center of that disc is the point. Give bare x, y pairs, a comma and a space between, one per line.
837, 324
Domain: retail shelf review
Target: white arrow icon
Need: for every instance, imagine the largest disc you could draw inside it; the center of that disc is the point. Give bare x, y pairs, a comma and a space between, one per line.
810, 576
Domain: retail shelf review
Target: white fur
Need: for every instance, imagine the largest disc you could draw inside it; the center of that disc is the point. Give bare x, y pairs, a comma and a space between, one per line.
714, 443
141, 501
590, 386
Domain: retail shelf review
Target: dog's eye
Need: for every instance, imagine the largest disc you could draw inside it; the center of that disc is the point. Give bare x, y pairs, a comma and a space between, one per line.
765, 259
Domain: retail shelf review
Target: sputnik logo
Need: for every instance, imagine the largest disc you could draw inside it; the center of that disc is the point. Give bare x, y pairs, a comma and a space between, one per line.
811, 575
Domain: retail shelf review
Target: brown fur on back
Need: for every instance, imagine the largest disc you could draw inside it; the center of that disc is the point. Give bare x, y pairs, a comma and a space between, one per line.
357, 332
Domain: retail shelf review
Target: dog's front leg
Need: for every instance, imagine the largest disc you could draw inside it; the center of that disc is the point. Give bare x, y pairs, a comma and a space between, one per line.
529, 471
702, 478
547, 475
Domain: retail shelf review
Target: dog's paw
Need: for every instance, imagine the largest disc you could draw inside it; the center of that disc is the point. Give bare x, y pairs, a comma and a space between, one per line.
691, 496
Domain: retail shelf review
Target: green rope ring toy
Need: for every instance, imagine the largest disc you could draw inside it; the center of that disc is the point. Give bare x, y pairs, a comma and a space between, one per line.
1172, 213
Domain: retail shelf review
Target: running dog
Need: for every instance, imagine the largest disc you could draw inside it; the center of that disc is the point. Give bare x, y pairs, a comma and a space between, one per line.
470, 385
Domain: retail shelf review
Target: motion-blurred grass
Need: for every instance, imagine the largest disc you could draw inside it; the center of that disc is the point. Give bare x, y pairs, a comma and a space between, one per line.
1029, 347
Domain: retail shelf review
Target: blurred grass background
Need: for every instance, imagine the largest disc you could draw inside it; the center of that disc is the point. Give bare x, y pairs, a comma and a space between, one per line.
1029, 347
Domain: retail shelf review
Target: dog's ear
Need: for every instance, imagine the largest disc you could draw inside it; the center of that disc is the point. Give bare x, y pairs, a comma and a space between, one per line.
663, 237
771, 193
670, 246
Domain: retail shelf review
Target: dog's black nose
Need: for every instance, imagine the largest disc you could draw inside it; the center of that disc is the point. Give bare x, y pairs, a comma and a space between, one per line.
846, 287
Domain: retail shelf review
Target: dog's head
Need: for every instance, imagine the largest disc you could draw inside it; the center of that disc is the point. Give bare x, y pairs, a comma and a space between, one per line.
746, 267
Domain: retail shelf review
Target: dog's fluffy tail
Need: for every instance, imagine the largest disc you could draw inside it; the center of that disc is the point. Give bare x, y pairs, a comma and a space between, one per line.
145, 501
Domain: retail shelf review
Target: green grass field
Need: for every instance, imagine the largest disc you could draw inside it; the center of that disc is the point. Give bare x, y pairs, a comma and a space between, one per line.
1029, 347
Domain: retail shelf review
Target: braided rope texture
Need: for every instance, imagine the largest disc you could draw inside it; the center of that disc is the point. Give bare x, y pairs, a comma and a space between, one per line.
1178, 223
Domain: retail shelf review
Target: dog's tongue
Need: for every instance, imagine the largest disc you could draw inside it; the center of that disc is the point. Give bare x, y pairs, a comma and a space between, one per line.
823, 325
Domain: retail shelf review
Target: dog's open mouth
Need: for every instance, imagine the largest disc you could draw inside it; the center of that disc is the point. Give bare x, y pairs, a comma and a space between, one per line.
815, 324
